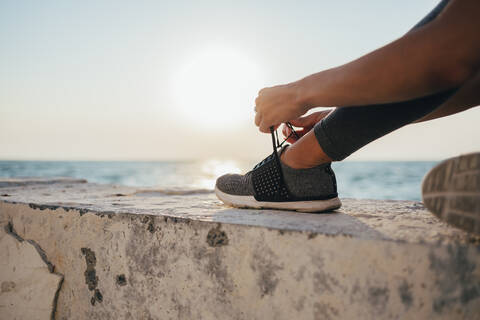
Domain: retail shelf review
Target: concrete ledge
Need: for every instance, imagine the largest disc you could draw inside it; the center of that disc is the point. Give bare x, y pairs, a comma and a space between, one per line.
173, 254
29, 285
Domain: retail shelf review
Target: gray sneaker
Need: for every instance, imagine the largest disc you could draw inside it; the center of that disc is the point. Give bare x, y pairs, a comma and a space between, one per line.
272, 184
451, 191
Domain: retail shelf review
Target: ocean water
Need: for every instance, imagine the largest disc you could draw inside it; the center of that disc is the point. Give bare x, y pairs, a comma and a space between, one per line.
367, 180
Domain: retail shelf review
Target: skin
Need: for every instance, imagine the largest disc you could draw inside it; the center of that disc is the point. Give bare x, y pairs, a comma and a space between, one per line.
305, 152
467, 97
424, 62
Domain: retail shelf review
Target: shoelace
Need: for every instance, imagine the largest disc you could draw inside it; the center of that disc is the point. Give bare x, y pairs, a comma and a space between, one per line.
276, 143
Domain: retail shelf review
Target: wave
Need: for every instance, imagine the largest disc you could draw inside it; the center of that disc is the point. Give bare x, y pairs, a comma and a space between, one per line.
171, 192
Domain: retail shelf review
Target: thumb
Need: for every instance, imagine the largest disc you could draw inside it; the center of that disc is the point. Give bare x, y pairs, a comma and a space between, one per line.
304, 121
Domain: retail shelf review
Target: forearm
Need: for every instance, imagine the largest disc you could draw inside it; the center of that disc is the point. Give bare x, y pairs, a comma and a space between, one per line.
430, 59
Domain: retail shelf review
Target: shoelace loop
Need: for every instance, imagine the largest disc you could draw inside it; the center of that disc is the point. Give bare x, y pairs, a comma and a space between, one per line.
275, 140
277, 144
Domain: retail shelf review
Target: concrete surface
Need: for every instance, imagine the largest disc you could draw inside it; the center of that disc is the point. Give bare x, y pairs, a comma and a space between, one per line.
29, 285
176, 254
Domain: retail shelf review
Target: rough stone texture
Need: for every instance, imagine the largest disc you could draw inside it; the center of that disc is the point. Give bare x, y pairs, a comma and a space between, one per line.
159, 254
28, 284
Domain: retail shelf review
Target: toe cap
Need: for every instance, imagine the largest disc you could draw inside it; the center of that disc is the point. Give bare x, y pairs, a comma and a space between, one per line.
235, 184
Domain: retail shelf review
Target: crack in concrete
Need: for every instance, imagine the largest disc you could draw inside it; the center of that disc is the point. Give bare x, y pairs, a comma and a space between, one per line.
9, 229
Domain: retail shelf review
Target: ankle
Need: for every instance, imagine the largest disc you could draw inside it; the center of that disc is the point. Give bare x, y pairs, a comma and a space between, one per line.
295, 160
305, 153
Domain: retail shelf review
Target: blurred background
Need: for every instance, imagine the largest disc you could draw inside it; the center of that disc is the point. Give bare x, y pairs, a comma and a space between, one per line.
161, 93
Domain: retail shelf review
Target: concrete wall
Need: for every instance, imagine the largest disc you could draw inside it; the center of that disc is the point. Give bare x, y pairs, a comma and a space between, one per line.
149, 254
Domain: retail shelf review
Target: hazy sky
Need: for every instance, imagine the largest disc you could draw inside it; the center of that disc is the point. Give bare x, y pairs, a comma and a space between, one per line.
176, 80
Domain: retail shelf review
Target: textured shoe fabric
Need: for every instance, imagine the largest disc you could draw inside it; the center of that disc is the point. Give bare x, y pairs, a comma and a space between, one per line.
312, 182
274, 185
451, 191
236, 184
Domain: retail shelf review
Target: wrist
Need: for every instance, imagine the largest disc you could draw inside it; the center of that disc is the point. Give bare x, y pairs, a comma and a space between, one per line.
316, 90
306, 93
296, 92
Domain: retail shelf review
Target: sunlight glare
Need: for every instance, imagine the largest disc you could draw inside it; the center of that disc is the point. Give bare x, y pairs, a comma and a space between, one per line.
212, 169
217, 88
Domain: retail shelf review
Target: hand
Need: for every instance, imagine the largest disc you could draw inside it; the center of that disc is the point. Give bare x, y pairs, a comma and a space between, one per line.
306, 123
276, 105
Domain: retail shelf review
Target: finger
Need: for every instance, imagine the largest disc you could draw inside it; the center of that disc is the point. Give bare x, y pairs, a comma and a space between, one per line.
303, 132
321, 114
258, 119
303, 121
300, 133
262, 91
265, 124
264, 128
286, 131
310, 120
292, 139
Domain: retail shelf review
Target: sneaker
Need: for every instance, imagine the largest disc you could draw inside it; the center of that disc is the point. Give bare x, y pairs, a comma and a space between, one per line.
274, 185
451, 191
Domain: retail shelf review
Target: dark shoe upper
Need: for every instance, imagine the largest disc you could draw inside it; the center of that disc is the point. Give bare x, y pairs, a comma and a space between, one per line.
236, 184
311, 183
271, 180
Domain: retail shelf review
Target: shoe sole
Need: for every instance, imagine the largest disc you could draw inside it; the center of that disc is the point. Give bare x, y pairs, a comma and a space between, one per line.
302, 206
451, 191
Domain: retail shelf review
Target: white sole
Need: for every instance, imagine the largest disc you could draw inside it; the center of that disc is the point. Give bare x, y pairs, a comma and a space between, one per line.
302, 206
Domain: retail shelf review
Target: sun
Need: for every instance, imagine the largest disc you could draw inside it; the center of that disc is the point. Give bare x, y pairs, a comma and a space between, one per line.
217, 87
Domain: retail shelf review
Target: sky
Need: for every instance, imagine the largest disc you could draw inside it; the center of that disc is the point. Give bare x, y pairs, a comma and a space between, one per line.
168, 80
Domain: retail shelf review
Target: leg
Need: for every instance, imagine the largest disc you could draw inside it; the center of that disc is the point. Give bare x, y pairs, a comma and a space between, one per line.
348, 129
278, 184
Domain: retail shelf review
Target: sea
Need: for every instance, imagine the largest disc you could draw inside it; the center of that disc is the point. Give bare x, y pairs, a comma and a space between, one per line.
396, 180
